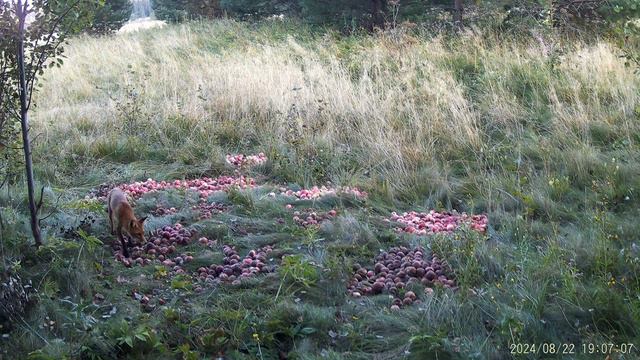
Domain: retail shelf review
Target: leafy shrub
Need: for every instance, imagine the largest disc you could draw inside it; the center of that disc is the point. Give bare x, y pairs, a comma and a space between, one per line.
137, 341
177, 11
252, 8
351, 13
95, 17
297, 270
10, 146
620, 10
110, 16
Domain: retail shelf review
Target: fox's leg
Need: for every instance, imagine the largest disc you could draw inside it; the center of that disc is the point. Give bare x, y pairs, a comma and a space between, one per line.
113, 231
110, 211
125, 251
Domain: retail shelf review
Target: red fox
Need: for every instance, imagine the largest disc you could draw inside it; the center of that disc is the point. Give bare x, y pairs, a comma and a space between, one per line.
123, 220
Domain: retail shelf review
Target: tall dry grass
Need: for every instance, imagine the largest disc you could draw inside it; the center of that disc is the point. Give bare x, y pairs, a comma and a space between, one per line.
399, 103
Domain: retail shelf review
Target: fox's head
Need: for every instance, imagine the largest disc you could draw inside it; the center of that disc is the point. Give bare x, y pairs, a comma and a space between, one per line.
136, 229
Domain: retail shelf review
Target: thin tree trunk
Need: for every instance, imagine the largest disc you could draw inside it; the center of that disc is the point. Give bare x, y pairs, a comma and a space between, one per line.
24, 120
457, 12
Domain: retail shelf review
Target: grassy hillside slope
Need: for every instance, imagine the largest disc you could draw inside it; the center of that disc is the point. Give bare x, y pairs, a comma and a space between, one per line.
541, 133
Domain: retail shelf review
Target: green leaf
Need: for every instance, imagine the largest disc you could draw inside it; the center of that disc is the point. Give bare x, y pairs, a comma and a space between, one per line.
307, 331
180, 284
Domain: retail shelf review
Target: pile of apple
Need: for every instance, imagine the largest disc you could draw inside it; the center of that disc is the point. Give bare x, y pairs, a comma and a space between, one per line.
162, 211
308, 217
395, 270
235, 268
160, 247
205, 186
317, 192
241, 160
435, 222
207, 210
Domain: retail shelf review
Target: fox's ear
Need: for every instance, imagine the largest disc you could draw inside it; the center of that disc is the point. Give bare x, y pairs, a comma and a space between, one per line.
132, 224
142, 219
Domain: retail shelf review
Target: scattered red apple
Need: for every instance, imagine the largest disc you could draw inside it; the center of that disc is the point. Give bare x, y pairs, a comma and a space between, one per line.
309, 217
317, 192
434, 222
205, 186
241, 160
207, 210
161, 211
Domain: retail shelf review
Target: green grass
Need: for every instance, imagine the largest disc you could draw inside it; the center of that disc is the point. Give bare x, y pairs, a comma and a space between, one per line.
472, 123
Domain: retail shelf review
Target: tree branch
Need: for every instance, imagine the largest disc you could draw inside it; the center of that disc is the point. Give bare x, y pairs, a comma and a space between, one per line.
39, 205
10, 147
51, 212
33, 140
12, 109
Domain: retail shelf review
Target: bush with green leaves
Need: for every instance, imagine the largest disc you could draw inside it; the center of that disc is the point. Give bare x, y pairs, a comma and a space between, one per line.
376, 13
109, 16
93, 17
252, 9
349, 13
32, 36
620, 10
177, 11
623, 17
10, 165
169, 10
